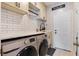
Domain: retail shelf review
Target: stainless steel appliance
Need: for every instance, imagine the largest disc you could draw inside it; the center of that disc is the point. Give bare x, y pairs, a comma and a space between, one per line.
42, 45
20, 47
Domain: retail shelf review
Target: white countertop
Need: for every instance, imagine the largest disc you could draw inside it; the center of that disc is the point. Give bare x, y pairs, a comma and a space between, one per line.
13, 35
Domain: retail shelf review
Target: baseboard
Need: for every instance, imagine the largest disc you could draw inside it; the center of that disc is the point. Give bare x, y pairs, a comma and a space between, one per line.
62, 49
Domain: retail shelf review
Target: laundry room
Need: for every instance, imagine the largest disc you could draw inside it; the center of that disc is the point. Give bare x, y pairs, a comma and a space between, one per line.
39, 29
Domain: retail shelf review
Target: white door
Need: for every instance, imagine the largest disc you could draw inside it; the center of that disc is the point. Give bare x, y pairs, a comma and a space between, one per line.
62, 29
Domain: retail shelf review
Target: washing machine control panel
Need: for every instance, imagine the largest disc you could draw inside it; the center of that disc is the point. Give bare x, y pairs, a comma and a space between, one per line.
32, 40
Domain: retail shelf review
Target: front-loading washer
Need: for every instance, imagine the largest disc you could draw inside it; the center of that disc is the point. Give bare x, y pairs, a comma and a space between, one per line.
42, 43
20, 47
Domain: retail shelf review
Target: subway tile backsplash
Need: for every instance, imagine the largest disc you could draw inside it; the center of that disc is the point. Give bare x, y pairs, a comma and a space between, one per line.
9, 17
12, 22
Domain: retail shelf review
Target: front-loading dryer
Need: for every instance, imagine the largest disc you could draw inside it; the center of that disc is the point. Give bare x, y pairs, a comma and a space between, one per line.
20, 47
42, 43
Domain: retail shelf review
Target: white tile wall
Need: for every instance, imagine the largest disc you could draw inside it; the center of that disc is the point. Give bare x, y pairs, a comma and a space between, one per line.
12, 22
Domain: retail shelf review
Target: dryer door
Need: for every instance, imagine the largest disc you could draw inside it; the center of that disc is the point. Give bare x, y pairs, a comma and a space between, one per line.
43, 48
28, 51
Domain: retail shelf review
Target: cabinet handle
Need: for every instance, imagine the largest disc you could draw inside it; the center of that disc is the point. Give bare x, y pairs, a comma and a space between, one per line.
17, 4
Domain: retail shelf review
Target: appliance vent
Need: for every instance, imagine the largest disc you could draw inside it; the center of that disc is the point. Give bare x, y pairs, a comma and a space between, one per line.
58, 7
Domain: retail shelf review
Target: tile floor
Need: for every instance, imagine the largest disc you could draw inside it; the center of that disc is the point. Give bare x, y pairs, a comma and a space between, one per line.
59, 52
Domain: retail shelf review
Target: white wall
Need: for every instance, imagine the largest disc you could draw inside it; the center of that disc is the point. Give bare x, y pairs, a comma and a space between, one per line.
49, 26
49, 20
76, 23
12, 22
76, 17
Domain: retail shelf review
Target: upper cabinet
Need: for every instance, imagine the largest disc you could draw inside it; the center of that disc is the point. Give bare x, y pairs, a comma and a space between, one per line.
33, 8
24, 6
36, 4
41, 10
17, 7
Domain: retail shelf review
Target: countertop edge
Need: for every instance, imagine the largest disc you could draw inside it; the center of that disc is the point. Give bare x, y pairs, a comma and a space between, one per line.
21, 36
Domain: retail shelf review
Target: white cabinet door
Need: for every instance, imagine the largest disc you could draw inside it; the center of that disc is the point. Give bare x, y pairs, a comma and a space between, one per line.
11, 3
62, 29
24, 6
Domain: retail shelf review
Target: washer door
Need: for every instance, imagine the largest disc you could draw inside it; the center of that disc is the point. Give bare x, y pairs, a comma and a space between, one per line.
43, 48
28, 51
